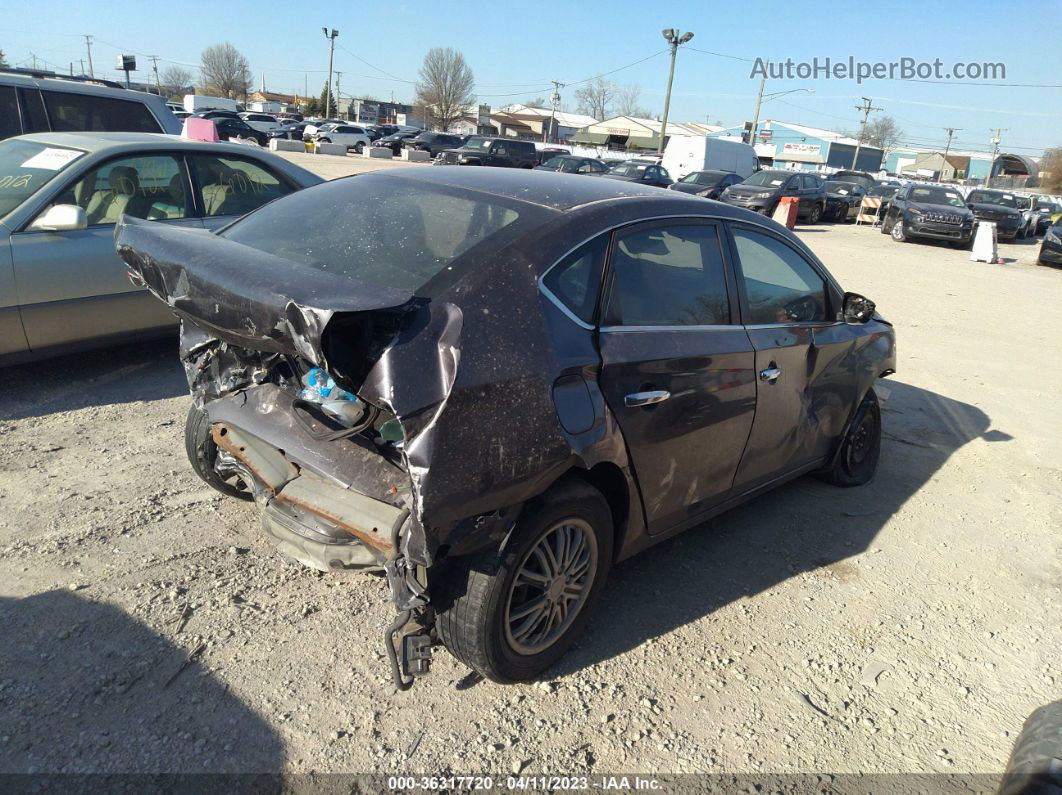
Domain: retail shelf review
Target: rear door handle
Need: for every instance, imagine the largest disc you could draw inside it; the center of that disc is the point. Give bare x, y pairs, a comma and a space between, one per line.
770, 374
646, 398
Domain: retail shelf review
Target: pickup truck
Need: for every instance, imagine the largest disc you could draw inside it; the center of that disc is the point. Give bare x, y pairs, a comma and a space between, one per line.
480, 151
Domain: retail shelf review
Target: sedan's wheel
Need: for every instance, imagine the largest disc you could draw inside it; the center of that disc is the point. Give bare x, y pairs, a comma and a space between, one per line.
510, 615
203, 452
857, 459
899, 234
359, 147
816, 215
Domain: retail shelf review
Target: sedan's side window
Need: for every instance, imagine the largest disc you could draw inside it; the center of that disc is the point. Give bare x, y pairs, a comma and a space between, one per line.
148, 186
575, 279
668, 276
235, 186
780, 285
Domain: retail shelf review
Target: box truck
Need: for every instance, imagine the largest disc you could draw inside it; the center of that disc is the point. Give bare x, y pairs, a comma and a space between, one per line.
197, 102
686, 153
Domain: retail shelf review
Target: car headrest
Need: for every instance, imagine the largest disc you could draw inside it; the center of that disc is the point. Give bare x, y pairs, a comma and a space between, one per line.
124, 180
176, 189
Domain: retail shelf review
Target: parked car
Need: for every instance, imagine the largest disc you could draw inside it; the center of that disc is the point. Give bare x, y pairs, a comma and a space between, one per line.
863, 178
432, 142
262, 122
1051, 247
929, 211
499, 152
572, 164
493, 481
34, 101
884, 191
641, 172
1029, 216
686, 153
394, 141
548, 153
999, 207
1047, 210
763, 191
237, 128
289, 129
843, 200
61, 285
709, 184
349, 135
216, 114
315, 126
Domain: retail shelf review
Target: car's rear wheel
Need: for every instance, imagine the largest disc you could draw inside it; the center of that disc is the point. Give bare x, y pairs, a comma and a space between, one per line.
359, 147
511, 615
899, 233
203, 453
857, 459
324, 140
816, 214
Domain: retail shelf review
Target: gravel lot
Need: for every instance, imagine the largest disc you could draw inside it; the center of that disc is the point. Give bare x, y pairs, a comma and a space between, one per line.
905, 626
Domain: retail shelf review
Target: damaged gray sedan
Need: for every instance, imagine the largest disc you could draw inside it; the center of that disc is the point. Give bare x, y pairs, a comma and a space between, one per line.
493, 384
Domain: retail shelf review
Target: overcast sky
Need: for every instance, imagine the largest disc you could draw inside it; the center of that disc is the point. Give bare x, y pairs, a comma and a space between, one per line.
516, 48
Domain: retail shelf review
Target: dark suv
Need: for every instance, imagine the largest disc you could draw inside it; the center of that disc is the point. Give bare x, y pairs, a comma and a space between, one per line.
929, 211
763, 190
433, 142
999, 207
480, 151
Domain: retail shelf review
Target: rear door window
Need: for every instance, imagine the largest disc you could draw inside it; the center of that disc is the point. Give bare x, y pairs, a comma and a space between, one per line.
90, 113
9, 121
33, 115
574, 280
234, 185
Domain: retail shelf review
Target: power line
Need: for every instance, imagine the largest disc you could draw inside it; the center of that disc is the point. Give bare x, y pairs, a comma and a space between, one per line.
723, 55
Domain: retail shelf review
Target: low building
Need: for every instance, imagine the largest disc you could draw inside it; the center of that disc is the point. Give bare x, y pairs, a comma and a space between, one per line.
274, 102
634, 133
373, 111
796, 146
927, 162
566, 125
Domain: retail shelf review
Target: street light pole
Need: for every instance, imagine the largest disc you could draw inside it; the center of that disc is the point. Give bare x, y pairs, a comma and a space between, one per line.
331, 51
674, 39
947, 148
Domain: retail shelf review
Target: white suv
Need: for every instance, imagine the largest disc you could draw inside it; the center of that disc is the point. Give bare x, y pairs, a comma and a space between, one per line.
262, 122
354, 137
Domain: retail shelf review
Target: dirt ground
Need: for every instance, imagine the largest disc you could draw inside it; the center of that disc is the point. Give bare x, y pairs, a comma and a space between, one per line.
146, 624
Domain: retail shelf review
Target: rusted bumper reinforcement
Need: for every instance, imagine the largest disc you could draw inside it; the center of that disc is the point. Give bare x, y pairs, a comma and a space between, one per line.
317, 522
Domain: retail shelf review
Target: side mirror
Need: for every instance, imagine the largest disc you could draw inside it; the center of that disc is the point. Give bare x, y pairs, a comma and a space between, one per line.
60, 218
857, 309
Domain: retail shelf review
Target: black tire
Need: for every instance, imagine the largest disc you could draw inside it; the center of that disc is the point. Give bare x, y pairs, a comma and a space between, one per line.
1034, 766
359, 147
202, 453
899, 234
324, 140
857, 459
816, 215
475, 595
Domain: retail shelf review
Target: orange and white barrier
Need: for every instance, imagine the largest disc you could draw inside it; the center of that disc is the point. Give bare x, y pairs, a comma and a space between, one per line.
868, 210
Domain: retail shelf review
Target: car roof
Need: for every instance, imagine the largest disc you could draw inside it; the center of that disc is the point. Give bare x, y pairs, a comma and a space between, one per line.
545, 188
123, 141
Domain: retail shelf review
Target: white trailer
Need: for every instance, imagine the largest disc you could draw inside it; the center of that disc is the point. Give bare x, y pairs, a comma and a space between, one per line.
687, 153
197, 102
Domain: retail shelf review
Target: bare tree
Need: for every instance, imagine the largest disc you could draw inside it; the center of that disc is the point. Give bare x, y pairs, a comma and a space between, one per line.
445, 86
883, 132
225, 72
537, 102
595, 98
628, 99
175, 80
3, 60
1051, 165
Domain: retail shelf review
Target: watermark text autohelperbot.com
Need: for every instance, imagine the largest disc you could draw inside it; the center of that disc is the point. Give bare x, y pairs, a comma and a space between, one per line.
905, 68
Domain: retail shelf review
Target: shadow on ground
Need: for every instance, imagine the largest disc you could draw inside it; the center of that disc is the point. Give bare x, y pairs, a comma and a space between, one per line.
802, 526
83, 689
125, 374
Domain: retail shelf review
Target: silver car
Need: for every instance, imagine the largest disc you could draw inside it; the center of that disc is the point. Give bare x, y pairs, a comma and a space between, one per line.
62, 286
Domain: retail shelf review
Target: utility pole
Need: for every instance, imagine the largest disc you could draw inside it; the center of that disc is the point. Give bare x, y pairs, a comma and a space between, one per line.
950, 131
32, 55
331, 52
995, 151
554, 100
338, 93
82, 67
759, 101
674, 39
866, 107
88, 47
155, 66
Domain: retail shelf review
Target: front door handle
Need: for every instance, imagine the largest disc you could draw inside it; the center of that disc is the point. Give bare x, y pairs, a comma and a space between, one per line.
770, 374
646, 398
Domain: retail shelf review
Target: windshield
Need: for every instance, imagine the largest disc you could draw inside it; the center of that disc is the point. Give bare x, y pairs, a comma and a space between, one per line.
936, 196
703, 178
884, 190
406, 233
25, 167
475, 142
557, 164
628, 169
843, 188
999, 199
1047, 207
771, 179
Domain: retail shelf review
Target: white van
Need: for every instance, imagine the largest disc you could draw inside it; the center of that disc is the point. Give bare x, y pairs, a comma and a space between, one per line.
197, 102
687, 153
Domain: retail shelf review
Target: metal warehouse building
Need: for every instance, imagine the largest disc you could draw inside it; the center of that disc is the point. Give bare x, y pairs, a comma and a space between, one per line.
786, 145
